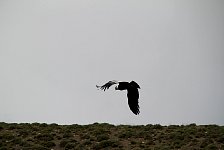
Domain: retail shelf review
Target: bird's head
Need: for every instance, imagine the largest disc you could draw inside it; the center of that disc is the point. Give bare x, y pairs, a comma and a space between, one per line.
134, 84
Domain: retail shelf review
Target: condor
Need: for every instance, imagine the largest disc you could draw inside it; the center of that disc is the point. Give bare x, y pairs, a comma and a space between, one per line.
132, 92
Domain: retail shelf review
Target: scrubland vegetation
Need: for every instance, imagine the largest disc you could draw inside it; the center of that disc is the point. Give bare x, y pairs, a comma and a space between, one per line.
41, 136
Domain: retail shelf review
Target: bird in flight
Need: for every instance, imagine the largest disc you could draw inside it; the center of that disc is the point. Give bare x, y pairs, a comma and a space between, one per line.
132, 92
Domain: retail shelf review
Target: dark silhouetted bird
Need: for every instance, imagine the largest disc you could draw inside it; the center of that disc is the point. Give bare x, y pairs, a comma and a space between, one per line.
132, 92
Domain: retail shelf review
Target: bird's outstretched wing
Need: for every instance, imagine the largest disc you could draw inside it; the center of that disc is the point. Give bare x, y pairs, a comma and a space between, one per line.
133, 96
107, 85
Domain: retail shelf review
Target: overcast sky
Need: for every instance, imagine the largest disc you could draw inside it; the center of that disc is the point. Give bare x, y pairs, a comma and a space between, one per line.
53, 53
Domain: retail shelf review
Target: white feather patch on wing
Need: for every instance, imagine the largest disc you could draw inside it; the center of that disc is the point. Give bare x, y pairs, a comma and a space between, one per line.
107, 85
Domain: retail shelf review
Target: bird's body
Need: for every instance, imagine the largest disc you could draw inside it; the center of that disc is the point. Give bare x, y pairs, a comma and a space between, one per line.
132, 92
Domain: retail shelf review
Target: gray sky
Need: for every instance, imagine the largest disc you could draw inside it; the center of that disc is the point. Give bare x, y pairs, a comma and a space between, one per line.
53, 53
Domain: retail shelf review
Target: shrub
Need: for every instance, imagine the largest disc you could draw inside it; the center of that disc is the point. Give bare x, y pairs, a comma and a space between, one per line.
25, 144
126, 134
211, 147
98, 131
205, 143
54, 125
221, 139
35, 147
102, 137
69, 146
176, 136
43, 125
17, 140
178, 143
133, 142
85, 136
7, 136
48, 144
12, 126
63, 143
87, 142
106, 144
157, 126
4, 148
23, 132
44, 137
67, 135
